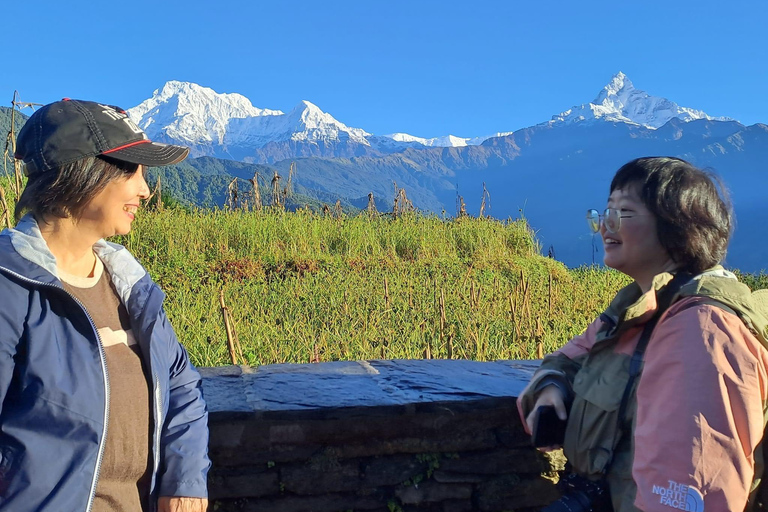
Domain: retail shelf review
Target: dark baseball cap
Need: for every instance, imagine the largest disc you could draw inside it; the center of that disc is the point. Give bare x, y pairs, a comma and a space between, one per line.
68, 130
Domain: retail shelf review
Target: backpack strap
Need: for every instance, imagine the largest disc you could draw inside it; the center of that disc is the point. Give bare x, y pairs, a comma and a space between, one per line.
664, 300
709, 302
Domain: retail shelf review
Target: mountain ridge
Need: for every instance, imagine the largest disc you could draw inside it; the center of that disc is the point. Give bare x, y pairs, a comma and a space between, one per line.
229, 126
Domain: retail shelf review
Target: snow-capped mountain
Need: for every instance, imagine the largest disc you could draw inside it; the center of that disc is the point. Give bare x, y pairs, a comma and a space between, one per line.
229, 126
620, 101
305, 123
187, 112
446, 141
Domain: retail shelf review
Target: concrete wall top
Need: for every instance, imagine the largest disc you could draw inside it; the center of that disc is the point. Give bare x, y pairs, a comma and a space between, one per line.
291, 388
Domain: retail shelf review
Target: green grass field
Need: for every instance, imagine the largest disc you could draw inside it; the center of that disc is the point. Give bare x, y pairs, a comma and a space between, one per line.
304, 286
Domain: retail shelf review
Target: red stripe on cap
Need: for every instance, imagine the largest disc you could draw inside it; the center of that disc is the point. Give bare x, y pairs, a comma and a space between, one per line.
145, 141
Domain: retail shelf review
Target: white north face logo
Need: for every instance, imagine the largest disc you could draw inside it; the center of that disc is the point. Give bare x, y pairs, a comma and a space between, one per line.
122, 116
680, 496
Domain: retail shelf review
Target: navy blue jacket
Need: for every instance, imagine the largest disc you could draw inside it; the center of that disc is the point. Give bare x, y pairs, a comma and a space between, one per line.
54, 385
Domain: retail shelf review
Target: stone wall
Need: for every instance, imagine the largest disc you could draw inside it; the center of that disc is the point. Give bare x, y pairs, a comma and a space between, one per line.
381, 435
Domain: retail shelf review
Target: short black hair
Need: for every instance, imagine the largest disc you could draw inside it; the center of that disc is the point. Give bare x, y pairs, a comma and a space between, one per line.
694, 216
65, 191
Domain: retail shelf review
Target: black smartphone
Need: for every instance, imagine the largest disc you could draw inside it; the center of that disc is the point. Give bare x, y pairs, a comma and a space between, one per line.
548, 428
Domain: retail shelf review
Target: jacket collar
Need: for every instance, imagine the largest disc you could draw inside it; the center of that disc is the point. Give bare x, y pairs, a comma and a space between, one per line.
631, 307
29, 257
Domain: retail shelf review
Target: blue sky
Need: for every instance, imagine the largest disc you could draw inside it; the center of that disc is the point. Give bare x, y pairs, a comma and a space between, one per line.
427, 68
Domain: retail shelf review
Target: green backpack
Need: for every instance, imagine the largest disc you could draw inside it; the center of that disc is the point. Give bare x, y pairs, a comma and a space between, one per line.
758, 497
752, 309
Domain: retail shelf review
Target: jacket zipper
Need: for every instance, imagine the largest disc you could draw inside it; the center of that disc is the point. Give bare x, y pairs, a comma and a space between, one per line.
105, 373
158, 424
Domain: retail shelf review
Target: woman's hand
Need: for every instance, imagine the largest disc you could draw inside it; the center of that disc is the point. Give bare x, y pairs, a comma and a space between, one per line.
181, 504
550, 395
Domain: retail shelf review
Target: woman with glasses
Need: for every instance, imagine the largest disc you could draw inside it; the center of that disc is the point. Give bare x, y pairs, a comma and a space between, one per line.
662, 396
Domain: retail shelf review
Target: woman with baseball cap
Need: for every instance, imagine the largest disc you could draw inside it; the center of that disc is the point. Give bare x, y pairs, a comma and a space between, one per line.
100, 407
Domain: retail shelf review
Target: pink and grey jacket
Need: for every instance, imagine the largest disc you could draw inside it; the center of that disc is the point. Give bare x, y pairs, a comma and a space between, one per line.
696, 413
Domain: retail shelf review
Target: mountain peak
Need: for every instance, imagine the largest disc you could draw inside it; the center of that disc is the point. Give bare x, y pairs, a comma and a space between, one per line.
618, 84
307, 107
310, 123
188, 95
620, 101
191, 114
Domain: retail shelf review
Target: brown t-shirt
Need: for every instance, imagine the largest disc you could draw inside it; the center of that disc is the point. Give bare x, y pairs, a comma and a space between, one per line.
125, 473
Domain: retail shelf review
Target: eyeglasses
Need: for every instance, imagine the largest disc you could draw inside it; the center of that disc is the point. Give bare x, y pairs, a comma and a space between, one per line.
611, 218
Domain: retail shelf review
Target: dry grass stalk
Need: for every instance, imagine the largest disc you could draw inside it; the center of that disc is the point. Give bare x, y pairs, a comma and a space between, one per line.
428, 347
461, 207
386, 294
288, 190
17, 173
233, 199
487, 195
315, 354
15, 103
539, 335
550, 295
402, 203
513, 313
233, 344
6, 210
256, 193
16, 166
443, 320
473, 295
337, 209
525, 284
10, 147
276, 197
158, 193
482, 333
6, 155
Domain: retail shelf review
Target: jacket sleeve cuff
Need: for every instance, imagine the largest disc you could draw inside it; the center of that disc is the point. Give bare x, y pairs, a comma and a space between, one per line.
554, 380
185, 488
527, 398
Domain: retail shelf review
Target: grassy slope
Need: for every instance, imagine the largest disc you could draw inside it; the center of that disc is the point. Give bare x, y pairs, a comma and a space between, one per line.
302, 285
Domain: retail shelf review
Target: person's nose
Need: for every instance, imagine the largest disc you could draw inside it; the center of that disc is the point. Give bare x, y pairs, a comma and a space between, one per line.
144, 187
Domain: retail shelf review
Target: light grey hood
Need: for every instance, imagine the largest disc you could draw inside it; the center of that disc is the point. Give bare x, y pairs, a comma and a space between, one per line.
123, 268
